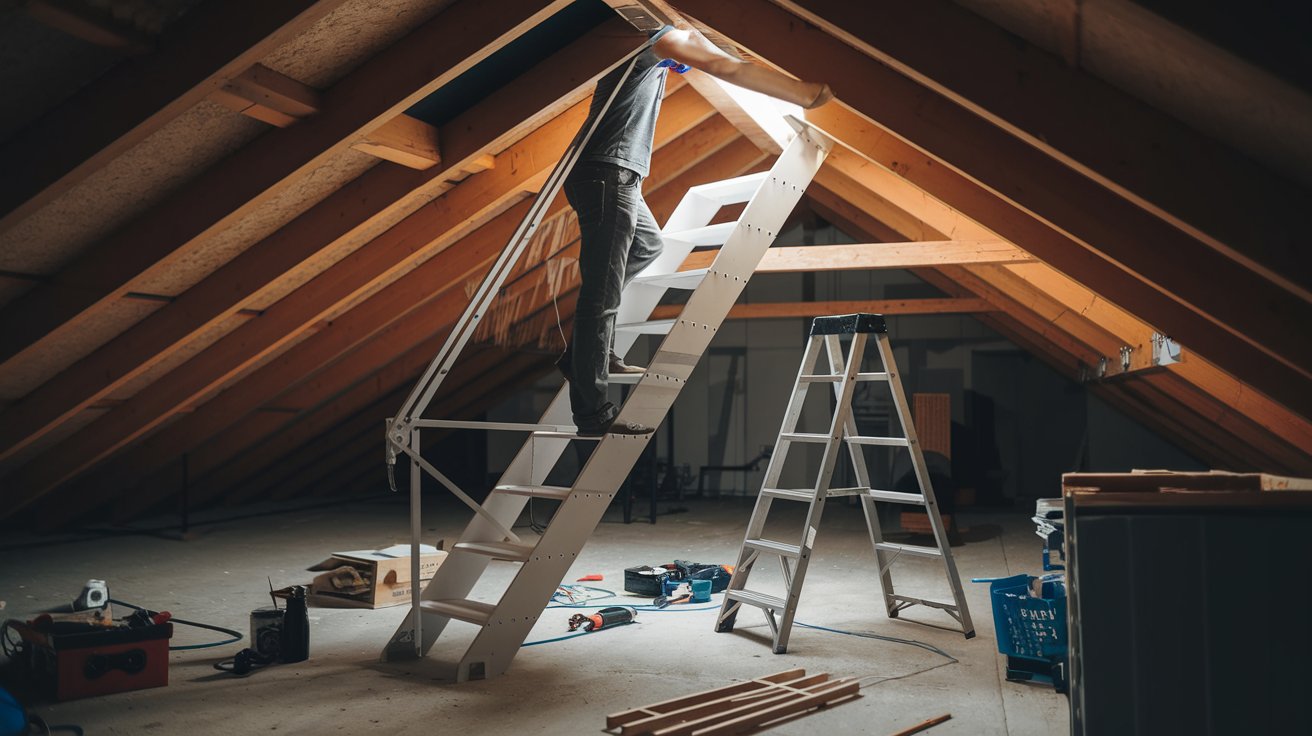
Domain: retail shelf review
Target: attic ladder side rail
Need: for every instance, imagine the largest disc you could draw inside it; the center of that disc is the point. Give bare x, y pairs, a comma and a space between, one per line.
503, 626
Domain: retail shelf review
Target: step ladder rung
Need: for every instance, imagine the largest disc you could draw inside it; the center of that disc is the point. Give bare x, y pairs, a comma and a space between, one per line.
882, 441
896, 497
907, 600
909, 549
804, 437
760, 600
648, 327
474, 612
792, 494
497, 550
555, 493
835, 378
779, 548
839, 492
677, 280
706, 235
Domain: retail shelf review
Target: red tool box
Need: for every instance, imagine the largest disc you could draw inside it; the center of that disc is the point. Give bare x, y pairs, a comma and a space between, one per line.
79, 661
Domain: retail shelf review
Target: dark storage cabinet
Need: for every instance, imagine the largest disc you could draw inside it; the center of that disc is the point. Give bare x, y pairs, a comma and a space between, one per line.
1190, 604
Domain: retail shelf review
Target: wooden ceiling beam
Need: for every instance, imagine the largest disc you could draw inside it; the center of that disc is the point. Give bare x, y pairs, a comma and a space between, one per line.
1094, 223
1254, 432
511, 372
212, 43
450, 44
1195, 370
268, 96
788, 310
370, 366
311, 442
1071, 341
403, 140
1136, 151
1077, 308
321, 229
920, 189
393, 319
871, 256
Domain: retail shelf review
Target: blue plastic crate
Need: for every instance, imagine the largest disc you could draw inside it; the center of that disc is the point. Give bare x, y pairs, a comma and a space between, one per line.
1031, 630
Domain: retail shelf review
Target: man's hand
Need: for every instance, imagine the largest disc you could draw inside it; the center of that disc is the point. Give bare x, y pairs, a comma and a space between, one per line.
824, 95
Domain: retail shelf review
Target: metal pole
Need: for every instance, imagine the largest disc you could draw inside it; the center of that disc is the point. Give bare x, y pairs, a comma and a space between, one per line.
416, 528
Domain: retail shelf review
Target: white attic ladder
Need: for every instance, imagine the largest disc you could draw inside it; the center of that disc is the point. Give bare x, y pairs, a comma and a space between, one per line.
504, 624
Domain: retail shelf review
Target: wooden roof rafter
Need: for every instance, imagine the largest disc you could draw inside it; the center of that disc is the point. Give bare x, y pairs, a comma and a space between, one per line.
400, 371
1138, 152
462, 35
212, 43
406, 300
1140, 255
489, 125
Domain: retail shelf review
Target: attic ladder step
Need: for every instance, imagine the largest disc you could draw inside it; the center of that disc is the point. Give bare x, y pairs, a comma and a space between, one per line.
474, 612
497, 550
678, 280
771, 197
555, 493
648, 327
843, 375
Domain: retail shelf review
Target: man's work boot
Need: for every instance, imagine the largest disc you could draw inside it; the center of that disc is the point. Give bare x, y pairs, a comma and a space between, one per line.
619, 367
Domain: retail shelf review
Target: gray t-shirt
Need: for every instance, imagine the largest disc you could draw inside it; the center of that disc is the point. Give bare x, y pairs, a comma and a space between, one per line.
624, 136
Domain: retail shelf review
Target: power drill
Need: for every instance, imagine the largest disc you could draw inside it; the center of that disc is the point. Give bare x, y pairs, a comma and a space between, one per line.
613, 616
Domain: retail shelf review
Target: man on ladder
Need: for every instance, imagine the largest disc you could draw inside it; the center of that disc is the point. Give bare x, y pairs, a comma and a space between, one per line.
619, 235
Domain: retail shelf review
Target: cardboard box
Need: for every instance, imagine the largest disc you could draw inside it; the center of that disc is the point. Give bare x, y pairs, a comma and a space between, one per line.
386, 570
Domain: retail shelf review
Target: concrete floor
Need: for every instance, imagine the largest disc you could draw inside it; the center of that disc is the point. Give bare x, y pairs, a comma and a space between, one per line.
219, 575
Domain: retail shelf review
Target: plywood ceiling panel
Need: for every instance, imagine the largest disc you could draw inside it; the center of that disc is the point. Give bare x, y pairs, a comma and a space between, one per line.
348, 36
132, 184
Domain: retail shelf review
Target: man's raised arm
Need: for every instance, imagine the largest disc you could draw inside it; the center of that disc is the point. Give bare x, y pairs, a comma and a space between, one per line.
692, 48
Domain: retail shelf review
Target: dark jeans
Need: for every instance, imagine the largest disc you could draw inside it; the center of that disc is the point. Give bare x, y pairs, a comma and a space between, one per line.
619, 239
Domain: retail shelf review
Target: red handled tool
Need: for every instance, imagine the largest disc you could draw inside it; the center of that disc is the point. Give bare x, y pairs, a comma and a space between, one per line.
613, 616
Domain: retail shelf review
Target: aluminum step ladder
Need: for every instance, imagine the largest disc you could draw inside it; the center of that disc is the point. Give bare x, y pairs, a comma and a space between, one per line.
844, 374
504, 623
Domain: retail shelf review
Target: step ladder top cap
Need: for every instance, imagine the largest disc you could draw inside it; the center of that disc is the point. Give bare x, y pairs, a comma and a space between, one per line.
847, 324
